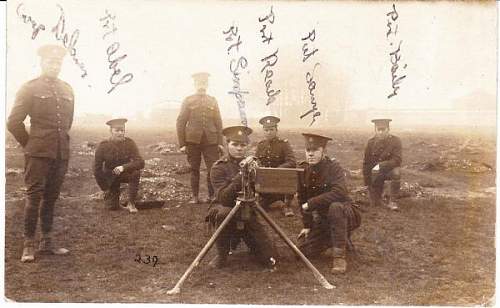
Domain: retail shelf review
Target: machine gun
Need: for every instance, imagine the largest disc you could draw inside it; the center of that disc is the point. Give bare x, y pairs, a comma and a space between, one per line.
255, 180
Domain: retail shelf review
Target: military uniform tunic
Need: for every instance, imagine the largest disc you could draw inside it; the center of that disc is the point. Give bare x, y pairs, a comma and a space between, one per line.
226, 181
386, 152
199, 128
110, 154
330, 214
49, 102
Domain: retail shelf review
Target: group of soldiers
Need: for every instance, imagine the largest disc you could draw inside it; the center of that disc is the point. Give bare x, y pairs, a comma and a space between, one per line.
328, 213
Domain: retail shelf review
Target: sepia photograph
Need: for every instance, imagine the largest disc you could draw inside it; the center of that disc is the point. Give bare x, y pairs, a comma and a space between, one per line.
251, 152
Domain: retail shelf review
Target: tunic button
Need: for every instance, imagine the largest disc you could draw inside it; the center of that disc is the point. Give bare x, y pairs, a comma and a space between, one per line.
58, 106
59, 129
59, 115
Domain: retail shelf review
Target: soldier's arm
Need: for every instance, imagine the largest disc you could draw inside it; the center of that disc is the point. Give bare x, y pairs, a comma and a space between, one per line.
226, 188
338, 191
366, 165
396, 156
218, 123
98, 165
182, 120
307, 217
290, 161
136, 160
15, 122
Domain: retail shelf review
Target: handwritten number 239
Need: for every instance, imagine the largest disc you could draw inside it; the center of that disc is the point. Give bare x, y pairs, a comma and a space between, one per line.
147, 259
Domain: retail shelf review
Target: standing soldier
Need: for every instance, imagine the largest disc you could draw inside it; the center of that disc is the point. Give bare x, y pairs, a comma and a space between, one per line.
227, 183
382, 162
327, 212
274, 152
117, 160
199, 127
49, 102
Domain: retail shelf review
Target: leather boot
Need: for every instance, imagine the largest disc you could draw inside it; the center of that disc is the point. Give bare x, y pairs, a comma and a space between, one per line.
28, 251
339, 265
287, 209
131, 207
47, 248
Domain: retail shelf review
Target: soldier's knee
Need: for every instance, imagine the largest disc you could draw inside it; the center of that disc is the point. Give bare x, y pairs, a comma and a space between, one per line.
396, 174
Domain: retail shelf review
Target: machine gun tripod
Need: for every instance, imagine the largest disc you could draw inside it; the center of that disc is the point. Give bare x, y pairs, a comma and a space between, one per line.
255, 180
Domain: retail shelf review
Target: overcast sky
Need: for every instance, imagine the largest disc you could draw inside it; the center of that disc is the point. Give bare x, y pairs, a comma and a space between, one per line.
449, 50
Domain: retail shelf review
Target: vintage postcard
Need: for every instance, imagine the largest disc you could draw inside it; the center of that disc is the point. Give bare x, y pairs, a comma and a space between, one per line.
251, 152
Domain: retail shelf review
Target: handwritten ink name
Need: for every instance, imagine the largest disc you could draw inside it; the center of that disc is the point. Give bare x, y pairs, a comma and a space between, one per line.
266, 37
35, 26
395, 55
308, 52
236, 66
69, 42
269, 61
153, 260
113, 60
311, 86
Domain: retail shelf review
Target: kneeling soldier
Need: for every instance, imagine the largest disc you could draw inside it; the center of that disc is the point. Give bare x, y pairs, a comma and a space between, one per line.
117, 160
227, 182
327, 213
382, 162
274, 152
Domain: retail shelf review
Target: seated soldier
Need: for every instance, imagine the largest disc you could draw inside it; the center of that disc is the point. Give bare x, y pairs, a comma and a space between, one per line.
227, 182
274, 152
117, 160
382, 162
327, 213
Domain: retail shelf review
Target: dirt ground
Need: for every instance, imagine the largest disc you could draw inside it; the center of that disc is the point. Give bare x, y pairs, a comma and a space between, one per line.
439, 249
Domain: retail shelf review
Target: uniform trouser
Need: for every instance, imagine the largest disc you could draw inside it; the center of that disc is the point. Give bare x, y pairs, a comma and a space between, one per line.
378, 182
331, 230
267, 199
253, 234
43, 178
112, 196
210, 154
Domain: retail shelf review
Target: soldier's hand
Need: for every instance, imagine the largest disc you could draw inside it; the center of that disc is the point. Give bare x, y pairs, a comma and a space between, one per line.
118, 170
182, 149
304, 233
305, 206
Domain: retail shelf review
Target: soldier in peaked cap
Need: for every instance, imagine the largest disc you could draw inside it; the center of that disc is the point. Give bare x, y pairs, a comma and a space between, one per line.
327, 211
199, 131
274, 152
117, 160
226, 180
382, 161
49, 102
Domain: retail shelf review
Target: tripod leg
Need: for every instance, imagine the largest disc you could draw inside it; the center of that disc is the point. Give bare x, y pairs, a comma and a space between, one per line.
322, 280
206, 248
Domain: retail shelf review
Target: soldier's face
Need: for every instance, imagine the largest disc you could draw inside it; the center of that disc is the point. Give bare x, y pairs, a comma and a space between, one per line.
201, 84
381, 132
314, 155
51, 66
117, 133
270, 132
237, 149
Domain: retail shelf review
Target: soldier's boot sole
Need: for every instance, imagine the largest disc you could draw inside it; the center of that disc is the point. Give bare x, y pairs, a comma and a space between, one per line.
28, 255
339, 266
